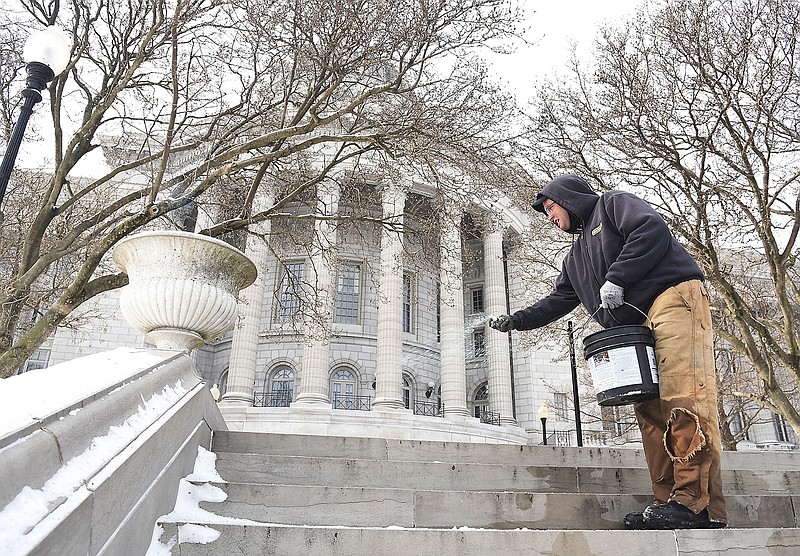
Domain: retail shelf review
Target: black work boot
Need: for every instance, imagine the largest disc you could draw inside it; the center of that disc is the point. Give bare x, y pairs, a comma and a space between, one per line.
635, 520
674, 515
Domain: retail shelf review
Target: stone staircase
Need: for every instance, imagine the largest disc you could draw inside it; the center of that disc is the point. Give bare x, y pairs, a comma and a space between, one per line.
320, 495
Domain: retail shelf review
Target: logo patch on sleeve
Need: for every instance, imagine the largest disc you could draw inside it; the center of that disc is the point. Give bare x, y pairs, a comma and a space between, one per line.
597, 230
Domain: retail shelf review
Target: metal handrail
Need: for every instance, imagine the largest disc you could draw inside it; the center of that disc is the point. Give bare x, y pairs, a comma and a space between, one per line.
352, 403
281, 398
490, 418
429, 409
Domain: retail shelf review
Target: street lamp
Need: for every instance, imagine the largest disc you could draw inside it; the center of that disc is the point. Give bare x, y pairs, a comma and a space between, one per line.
46, 55
429, 391
543, 413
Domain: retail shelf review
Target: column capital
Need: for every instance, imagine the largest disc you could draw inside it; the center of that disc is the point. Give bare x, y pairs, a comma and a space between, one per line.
393, 197
493, 224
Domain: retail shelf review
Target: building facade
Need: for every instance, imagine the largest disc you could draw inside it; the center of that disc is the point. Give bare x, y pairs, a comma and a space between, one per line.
370, 312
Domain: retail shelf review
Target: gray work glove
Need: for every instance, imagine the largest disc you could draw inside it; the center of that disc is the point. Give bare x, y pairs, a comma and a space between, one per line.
503, 323
611, 295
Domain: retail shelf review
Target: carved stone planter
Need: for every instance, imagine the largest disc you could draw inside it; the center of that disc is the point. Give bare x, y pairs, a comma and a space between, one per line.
182, 286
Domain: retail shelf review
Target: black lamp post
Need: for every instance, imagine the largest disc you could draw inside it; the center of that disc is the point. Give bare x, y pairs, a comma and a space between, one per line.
46, 55
543, 413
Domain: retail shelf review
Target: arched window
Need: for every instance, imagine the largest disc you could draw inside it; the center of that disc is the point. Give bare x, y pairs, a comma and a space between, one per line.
481, 399
343, 388
277, 390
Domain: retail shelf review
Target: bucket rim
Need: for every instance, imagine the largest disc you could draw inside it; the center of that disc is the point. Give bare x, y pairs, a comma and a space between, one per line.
618, 331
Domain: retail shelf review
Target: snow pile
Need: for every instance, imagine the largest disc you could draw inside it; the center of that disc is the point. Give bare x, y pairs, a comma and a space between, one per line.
193, 489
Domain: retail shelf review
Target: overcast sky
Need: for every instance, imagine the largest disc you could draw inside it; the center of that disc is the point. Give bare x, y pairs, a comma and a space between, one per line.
553, 25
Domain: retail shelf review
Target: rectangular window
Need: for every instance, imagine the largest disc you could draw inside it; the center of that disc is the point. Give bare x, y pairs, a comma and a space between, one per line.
38, 360
407, 297
560, 404
477, 300
478, 343
290, 291
348, 294
780, 428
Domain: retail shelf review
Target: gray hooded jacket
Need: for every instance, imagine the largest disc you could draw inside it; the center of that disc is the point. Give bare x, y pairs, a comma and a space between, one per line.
619, 238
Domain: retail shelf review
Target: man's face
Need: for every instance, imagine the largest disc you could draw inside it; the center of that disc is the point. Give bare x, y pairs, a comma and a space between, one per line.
556, 214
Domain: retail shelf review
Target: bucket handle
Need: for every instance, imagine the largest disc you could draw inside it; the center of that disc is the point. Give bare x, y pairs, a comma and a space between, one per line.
624, 303
640, 311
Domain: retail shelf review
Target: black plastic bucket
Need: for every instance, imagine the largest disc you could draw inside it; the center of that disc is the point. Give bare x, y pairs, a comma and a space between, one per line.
623, 364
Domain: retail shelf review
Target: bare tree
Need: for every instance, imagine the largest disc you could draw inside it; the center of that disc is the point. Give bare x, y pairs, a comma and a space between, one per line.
695, 105
203, 103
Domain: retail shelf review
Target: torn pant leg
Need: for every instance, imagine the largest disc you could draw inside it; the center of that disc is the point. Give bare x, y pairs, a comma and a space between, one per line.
685, 443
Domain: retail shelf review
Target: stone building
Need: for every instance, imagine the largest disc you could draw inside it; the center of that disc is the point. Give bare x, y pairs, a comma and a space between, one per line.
370, 313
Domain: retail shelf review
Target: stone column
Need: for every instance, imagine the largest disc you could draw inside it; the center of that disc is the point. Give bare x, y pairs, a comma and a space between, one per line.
453, 369
389, 369
497, 347
318, 316
244, 345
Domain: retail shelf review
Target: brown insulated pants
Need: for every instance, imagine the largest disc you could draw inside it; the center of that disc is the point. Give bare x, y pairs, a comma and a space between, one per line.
680, 430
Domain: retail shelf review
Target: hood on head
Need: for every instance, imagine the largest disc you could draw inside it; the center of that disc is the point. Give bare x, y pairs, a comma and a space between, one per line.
573, 194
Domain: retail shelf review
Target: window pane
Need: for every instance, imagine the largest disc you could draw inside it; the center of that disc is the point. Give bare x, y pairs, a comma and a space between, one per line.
406, 303
289, 295
406, 393
343, 388
37, 360
560, 404
343, 375
348, 294
479, 343
477, 301
281, 391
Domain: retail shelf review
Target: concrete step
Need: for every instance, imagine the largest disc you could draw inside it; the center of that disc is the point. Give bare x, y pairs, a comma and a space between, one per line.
428, 508
456, 452
346, 472
267, 540
423, 451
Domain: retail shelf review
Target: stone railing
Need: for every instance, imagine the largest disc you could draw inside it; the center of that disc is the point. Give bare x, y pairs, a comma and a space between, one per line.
98, 459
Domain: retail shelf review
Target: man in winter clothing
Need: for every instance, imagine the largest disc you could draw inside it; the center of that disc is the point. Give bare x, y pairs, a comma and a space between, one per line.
625, 260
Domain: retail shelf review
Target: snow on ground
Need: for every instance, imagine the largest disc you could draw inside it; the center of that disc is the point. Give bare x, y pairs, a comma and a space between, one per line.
193, 489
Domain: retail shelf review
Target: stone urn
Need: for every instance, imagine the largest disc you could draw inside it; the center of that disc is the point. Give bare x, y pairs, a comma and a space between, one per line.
182, 286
